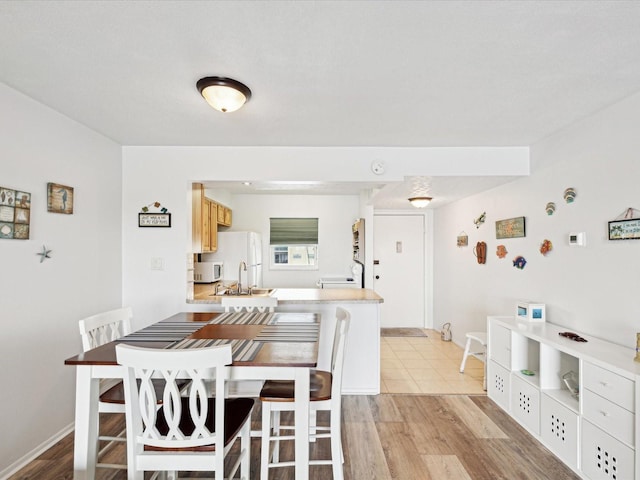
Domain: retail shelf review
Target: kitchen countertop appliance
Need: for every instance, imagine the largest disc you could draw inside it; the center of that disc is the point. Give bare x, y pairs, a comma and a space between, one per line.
343, 281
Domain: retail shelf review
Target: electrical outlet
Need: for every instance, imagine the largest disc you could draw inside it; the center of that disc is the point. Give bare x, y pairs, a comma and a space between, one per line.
157, 263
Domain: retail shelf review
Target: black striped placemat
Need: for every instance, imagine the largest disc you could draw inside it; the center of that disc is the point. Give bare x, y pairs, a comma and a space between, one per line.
289, 332
243, 318
241, 350
163, 332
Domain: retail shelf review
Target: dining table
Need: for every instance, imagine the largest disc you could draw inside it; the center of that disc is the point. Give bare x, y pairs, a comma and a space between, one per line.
265, 346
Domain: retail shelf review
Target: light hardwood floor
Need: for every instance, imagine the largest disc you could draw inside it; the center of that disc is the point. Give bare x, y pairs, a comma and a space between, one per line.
387, 437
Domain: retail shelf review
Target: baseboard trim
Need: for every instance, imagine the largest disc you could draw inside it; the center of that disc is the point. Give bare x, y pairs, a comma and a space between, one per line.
33, 454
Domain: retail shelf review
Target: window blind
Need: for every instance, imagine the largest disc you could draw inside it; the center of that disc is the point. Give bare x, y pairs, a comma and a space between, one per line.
293, 231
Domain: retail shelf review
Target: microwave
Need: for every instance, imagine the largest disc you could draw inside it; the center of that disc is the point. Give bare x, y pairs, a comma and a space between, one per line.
208, 272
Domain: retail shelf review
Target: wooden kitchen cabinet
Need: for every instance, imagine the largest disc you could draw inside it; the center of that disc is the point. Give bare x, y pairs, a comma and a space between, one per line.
224, 215
204, 221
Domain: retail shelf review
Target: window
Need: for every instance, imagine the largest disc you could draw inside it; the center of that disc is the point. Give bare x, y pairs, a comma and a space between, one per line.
293, 243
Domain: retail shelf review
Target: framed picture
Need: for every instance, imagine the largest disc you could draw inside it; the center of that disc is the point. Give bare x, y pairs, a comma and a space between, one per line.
628, 229
462, 240
15, 214
154, 220
510, 228
59, 198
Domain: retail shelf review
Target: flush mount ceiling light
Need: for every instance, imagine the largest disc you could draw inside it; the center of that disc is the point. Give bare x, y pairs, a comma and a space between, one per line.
223, 94
420, 202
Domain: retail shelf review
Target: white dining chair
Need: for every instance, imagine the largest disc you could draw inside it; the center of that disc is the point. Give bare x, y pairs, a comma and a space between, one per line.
248, 303
95, 331
188, 433
325, 395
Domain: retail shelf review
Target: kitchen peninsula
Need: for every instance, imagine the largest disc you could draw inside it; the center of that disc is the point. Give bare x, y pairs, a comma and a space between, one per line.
362, 356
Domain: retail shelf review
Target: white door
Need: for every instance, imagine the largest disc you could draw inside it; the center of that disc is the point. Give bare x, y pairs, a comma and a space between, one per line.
398, 270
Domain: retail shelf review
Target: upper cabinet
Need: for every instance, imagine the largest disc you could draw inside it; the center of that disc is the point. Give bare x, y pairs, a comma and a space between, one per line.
207, 215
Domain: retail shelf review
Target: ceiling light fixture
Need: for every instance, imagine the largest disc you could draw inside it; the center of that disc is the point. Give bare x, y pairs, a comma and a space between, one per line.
420, 202
223, 94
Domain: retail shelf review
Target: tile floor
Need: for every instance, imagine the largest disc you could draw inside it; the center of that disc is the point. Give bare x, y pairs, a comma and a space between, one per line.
427, 365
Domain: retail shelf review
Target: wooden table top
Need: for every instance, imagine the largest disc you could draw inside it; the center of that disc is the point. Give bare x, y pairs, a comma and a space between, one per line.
272, 353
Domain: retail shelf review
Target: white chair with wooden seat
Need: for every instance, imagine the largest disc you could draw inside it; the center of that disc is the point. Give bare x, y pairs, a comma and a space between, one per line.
188, 433
95, 331
248, 304
480, 353
325, 395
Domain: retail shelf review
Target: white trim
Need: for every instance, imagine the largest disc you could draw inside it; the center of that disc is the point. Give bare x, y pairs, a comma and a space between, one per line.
36, 452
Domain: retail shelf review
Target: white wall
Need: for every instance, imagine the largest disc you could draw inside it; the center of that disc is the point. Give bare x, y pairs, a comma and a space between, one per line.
165, 174
592, 289
41, 303
335, 213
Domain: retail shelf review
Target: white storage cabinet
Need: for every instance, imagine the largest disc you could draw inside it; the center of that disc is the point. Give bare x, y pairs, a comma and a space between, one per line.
593, 433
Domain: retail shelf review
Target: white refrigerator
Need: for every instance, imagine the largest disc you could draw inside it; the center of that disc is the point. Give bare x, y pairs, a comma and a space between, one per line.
236, 247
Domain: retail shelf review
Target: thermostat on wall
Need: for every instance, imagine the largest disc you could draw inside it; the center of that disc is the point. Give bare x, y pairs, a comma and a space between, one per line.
577, 239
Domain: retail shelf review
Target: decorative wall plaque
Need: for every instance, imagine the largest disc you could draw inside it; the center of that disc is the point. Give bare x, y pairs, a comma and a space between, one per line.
59, 198
510, 228
15, 213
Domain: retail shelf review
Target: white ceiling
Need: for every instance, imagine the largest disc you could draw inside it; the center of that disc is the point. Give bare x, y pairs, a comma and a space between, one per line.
326, 73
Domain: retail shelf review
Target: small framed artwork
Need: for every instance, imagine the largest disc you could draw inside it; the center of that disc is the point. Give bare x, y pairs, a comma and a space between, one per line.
628, 229
154, 220
462, 240
15, 214
510, 228
59, 198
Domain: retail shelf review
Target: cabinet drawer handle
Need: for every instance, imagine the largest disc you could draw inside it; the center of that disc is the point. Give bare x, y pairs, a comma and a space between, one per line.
604, 414
604, 384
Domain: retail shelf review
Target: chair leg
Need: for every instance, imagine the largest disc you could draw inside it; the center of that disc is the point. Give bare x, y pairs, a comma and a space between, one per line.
245, 449
276, 435
266, 441
464, 356
337, 457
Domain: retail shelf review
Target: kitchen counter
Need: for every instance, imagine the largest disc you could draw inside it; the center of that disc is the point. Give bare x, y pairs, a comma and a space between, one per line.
203, 293
361, 374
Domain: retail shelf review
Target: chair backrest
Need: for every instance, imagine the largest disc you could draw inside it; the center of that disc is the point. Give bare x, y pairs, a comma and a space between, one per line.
249, 304
105, 327
199, 365
343, 318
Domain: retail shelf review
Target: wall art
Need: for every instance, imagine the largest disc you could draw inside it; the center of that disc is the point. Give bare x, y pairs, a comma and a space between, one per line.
546, 247
15, 214
510, 228
149, 219
480, 220
480, 251
550, 208
59, 198
570, 195
462, 240
628, 229
501, 251
519, 262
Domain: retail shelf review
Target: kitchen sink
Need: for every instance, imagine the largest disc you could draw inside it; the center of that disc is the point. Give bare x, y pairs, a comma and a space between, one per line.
255, 292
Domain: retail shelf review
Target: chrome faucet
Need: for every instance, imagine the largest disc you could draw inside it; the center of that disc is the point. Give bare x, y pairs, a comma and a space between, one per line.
242, 266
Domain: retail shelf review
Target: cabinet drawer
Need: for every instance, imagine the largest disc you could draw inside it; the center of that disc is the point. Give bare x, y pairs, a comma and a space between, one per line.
603, 457
500, 345
609, 385
525, 404
498, 382
559, 430
610, 417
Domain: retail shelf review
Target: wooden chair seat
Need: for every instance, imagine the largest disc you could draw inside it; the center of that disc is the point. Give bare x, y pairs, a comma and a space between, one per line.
236, 412
116, 393
283, 390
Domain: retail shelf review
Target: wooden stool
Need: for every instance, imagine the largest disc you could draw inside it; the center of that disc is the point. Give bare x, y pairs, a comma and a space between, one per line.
481, 338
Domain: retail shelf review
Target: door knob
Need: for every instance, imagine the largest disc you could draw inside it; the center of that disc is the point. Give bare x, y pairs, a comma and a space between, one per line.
377, 277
